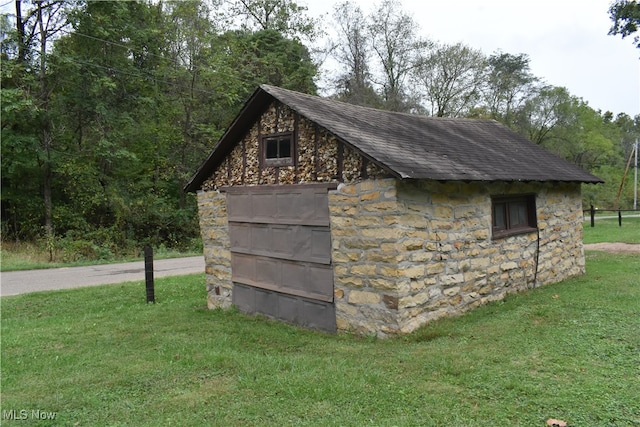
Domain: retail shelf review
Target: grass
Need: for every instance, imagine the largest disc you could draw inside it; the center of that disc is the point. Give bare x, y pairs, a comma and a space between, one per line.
32, 256
102, 356
608, 230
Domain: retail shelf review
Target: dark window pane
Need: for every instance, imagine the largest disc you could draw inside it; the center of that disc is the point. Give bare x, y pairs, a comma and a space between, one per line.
285, 148
518, 214
272, 149
499, 220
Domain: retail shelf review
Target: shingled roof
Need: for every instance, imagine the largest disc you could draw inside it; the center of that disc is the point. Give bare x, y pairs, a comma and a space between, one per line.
410, 146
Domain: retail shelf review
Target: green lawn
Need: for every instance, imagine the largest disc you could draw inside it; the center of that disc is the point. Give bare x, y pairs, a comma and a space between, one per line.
608, 230
102, 356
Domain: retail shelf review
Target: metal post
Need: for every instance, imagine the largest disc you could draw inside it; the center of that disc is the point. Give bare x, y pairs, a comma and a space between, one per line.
619, 218
593, 216
148, 273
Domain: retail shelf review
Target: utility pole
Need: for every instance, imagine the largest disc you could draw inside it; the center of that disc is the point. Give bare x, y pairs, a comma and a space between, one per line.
635, 182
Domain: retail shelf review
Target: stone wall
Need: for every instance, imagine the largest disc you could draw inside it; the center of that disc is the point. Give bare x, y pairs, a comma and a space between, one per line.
407, 252
212, 209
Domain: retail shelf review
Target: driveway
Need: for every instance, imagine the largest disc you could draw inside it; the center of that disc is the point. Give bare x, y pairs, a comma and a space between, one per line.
22, 282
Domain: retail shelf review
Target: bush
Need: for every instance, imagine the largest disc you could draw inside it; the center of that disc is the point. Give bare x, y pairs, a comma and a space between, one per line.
73, 250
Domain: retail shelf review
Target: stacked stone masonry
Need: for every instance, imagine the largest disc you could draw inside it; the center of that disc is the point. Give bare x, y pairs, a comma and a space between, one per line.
407, 252
212, 208
404, 252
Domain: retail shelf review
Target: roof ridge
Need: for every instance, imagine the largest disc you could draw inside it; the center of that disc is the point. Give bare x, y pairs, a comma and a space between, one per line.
271, 89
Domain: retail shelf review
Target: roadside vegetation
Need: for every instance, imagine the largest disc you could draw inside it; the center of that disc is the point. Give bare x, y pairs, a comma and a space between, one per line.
36, 255
102, 356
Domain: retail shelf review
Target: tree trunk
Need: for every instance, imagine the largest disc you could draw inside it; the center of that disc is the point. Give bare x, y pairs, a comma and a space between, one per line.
22, 43
46, 138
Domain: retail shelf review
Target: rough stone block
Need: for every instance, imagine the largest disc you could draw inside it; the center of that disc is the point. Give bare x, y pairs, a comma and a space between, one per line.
385, 206
435, 268
366, 221
443, 212
385, 233
367, 197
343, 309
390, 271
390, 301
348, 281
421, 256
414, 271
451, 279
413, 300
508, 266
364, 297
451, 291
364, 270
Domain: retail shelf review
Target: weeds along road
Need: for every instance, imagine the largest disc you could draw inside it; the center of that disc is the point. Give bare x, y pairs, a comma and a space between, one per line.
22, 282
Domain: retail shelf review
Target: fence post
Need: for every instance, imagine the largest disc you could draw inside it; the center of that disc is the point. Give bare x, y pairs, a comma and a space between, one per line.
619, 218
593, 216
148, 273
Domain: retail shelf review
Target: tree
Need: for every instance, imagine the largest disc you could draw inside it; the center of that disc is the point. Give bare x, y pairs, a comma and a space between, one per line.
451, 79
629, 129
36, 29
353, 51
190, 101
267, 57
509, 84
625, 15
397, 48
547, 109
283, 16
583, 138
22, 213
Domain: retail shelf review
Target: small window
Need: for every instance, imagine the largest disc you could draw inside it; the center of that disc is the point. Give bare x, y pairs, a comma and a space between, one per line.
277, 150
513, 215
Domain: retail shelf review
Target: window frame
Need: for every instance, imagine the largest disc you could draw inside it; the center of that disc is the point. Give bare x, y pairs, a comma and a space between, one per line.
278, 161
508, 202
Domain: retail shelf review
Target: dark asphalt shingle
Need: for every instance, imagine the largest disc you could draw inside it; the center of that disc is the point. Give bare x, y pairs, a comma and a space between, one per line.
436, 148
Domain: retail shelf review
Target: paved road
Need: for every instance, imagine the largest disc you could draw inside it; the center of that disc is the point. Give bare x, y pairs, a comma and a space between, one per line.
22, 282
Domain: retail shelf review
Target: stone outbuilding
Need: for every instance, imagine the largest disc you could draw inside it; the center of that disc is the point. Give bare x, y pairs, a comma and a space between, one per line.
347, 218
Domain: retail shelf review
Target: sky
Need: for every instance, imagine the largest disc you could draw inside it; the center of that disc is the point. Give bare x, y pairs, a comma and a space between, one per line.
566, 41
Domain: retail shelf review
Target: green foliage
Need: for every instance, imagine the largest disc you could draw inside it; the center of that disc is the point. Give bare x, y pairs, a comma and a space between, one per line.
625, 15
604, 195
285, 17
267, 57
137, 94
102, 356
580, 136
